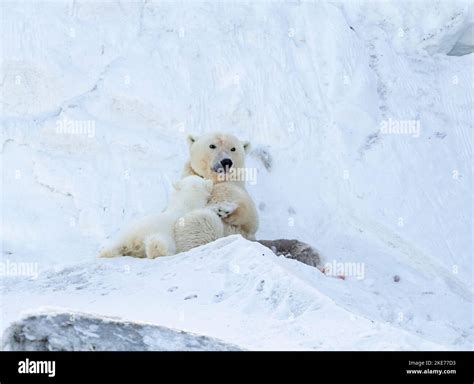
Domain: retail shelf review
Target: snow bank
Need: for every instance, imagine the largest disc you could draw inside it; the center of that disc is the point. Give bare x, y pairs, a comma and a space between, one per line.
234, 290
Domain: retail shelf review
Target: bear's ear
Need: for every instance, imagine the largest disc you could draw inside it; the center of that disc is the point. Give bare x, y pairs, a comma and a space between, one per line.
176, 185
247, 146
191, 139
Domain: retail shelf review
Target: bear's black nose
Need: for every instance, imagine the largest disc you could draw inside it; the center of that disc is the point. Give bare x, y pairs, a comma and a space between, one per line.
226, 163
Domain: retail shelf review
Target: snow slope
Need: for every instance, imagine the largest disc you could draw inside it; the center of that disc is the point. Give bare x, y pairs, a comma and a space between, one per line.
232, 289
311, 83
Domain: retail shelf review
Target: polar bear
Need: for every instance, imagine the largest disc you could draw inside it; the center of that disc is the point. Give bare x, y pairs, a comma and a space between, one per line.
153, 236
221, 158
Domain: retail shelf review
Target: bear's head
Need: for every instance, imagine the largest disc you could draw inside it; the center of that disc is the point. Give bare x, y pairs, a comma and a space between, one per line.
214, 155
192, 192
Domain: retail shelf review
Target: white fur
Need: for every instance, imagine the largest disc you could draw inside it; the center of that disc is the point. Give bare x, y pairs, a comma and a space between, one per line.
198, 227
231, 209
153, 236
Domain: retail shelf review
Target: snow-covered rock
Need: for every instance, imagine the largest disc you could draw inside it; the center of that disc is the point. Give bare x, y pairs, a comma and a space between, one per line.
52, 330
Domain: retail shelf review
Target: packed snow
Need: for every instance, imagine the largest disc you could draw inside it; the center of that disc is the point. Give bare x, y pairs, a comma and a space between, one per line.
232, 289
360, 116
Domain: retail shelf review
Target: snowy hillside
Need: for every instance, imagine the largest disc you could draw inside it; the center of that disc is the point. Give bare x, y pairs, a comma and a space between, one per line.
364, 107
232, 289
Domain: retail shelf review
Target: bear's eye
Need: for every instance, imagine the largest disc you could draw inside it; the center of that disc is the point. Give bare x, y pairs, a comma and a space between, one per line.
212, 146
233, 149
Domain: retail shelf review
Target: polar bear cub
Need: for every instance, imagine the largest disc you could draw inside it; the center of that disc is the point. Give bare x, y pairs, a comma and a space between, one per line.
153, 236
